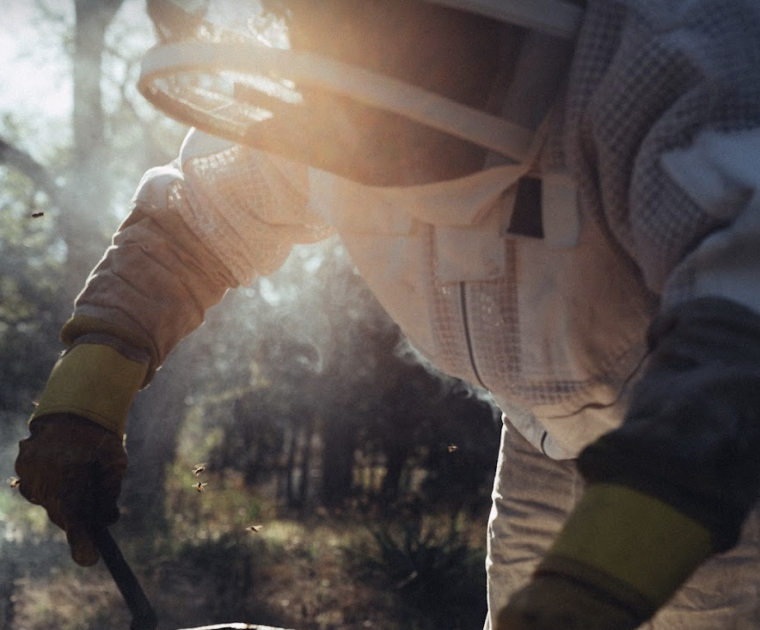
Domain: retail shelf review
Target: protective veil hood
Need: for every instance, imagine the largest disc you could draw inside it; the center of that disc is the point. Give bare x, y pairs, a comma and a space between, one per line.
232, 74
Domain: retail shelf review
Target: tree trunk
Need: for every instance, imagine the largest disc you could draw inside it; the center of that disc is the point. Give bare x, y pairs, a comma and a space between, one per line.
155, 421
337, 473
291, 465
86, 194
395, 461
303, 489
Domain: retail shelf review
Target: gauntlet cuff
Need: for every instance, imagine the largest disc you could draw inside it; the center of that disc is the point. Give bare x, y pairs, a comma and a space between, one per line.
629, 545
93, 381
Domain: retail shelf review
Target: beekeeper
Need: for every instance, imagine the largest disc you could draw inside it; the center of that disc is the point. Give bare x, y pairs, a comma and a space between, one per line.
555, 200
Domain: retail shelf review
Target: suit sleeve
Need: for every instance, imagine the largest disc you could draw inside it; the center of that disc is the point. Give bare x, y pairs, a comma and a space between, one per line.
666, 116
674, 125
217, 218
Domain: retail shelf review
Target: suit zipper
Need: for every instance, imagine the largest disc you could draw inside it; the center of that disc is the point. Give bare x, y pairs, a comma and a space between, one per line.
467, 337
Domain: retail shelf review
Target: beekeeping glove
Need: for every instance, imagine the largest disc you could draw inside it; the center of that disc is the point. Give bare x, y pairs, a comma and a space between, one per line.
620, 556
669, 488
73, 461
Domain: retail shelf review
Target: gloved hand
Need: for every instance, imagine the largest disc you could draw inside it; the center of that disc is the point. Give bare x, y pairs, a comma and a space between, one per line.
74, 460
73, 468
619, 557
552, 602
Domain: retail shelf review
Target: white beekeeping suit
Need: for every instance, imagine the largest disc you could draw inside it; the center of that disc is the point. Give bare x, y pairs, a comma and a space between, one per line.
597, 273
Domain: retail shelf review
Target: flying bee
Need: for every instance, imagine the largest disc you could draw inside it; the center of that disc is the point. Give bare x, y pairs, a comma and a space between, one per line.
200, 487
452, 448
254, 528
37, 215
14, 482
199, 469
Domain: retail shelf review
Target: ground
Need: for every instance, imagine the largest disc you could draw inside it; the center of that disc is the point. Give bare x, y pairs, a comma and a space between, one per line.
320, 574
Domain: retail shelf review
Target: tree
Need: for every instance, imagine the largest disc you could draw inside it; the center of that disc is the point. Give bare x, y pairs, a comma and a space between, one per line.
30, 278
45, 239
79, 178
309, 355
79, 190
333, 379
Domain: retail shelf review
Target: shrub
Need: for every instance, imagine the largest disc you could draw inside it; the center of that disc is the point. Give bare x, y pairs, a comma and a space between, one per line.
434, 570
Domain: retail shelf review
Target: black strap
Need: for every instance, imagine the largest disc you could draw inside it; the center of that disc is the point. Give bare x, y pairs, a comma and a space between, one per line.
526, 219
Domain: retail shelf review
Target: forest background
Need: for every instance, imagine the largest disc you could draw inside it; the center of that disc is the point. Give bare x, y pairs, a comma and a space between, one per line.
344, 483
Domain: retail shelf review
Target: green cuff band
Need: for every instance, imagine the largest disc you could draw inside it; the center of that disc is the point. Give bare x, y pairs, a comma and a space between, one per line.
80, 325
630, 545
95, 382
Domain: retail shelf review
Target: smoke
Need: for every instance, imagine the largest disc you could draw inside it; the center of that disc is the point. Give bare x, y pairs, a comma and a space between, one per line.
322, 305
410, 355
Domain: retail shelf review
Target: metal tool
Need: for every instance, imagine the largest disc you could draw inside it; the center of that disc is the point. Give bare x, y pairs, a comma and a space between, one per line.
143, 615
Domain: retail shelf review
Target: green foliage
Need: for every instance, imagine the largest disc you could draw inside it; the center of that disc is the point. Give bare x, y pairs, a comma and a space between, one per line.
227, 565
22, 522
30, 278
435, 570
305, 353
222, 503
67, 598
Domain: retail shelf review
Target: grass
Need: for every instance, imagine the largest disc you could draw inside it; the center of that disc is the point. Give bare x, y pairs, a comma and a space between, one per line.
324, 572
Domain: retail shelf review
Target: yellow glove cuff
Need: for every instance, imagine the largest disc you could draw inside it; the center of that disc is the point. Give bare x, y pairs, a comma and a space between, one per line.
630, 545
93, 381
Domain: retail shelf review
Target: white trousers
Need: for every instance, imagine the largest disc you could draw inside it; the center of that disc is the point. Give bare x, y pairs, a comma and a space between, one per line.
531, 498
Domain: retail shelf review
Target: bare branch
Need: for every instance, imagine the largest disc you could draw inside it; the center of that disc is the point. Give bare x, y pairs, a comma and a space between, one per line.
27, 165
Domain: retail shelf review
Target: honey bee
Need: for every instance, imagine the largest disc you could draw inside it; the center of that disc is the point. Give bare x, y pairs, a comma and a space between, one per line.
14, 482
452, 448
254, 528
37, 215
199, 469
200, 487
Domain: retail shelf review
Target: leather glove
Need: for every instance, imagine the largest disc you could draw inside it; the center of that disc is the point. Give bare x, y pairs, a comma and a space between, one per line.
74, 460
556, 603
73, 468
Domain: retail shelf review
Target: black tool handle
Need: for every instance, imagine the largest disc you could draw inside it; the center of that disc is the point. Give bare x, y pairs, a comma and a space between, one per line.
143, 615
